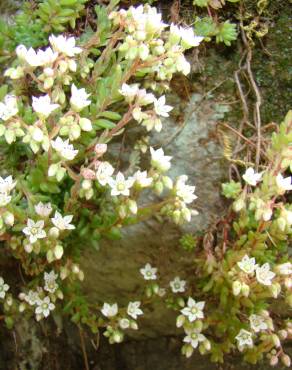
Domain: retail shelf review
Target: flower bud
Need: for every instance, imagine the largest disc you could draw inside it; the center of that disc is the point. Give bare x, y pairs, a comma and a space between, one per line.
85, 124
238, 205
245, 290
274, 361
28, 248
158, 187
132, 205
53, 170
63, 66
236, 287
21, 307
180, 320
283, 334
8, 218
58, 251
50, 256
86, 184
207, 344
275, 289
72, 65
167, 182
48, 83
286, 360
75, 269
118, 337
54, 232
100, 149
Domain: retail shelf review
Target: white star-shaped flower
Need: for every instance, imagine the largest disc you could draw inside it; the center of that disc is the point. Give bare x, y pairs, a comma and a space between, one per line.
159, 160
251, 177
257, 323
109, 310
184, 191
50, 281
134, 310
194, 310
149, 272
248, 265
3, 288
283, 183
161, 108
120, 185
79, 98
43, 209
64, 45
64, 148
8, 108
34, 230
142, 180
194, 337
264, 275
63, 223
104, 173
177, 285
244, 339
44, 307
43, 106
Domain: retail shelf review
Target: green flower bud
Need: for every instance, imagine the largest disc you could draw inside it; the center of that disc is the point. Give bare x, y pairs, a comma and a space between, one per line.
58, 251
50, 256
48, 83
9, 136
85, 124
8, 218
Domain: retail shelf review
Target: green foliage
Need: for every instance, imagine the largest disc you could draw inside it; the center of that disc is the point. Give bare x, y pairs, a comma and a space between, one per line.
231, 189
226, 33
56, 15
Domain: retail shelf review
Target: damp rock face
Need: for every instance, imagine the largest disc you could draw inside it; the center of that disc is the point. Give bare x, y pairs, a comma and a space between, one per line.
112, 273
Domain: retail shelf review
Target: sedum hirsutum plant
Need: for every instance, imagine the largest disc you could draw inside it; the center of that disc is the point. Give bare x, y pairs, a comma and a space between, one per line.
60, 188
239, 295
62, 109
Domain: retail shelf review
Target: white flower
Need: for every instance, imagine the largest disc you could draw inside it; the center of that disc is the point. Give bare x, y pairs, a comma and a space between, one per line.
6, 184
244, 339
144, 98
3, 288
257, 323
149, 272
50, 281
42, 106
34, 230
44, 307
124, 323
79, 98
109, 310
104, 173
182, 65
141, 179
30, 56
64, 148
248, 265
32, 297
63, 223
251, 177
161, 108
188, 39
284, 268
264, 275
159, 160
129, 91
185, 192
152, 122
194, 337
177, 285
283, 183
43, 209
194, 310
120, 186
64, 45
134, 310
46, 56
8, 108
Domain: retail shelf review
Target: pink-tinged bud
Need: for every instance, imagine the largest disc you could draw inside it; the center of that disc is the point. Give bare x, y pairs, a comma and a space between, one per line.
286, 360
283, 334
100, 149
276, 340
88, 174
274, 361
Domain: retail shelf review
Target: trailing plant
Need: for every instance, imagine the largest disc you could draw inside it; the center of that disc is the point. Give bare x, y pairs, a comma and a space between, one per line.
60, 190
210, 26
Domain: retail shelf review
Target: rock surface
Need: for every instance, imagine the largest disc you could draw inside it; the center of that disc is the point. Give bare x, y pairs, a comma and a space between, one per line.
112, 273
